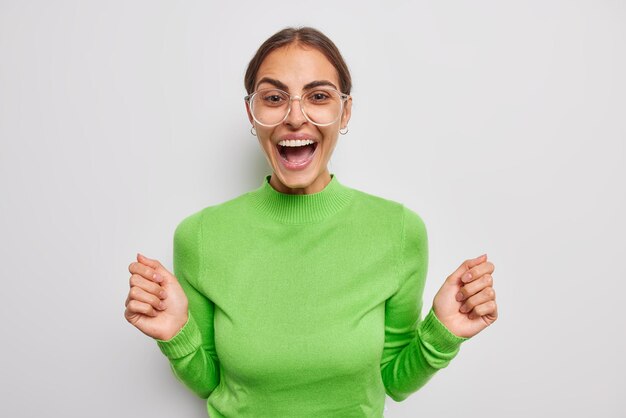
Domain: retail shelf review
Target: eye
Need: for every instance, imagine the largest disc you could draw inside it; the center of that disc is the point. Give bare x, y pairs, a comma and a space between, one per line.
319, 96
273, 98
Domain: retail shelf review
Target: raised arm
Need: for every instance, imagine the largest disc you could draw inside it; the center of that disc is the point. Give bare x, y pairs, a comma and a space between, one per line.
191, 352
415, 349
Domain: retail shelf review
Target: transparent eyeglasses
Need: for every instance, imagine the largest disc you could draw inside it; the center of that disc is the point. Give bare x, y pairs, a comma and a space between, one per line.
320, 106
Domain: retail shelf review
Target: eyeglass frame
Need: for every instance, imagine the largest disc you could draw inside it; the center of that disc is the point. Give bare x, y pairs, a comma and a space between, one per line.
342, 96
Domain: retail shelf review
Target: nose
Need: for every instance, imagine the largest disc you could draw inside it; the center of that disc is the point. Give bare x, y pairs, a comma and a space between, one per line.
295, 118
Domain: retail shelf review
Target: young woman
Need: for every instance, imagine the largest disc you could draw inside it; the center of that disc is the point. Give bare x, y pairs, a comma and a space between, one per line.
303, 298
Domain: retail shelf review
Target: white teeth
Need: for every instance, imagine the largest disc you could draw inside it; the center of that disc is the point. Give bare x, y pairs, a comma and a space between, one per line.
295, 142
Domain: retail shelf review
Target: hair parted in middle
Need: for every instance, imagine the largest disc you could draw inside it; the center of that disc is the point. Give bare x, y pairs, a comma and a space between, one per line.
306, 36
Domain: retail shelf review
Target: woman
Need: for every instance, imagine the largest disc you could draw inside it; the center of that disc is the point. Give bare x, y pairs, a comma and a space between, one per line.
303, 298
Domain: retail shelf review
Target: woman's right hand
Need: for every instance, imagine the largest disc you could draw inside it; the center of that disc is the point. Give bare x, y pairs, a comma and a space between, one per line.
156, 303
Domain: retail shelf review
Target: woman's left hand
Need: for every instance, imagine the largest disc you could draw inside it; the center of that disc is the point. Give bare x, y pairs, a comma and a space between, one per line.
465, 305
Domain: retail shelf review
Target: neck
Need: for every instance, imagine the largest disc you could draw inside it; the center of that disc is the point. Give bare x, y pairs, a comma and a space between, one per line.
301, 208
317, 186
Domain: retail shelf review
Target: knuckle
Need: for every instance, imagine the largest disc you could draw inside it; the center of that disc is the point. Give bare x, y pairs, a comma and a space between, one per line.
491, 293
484, 309
489, 279
473, 287
131, 266
134, 292
132, 305
139, 307
155, 289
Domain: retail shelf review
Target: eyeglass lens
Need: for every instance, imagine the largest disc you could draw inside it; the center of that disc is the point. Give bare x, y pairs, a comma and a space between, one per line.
270, 106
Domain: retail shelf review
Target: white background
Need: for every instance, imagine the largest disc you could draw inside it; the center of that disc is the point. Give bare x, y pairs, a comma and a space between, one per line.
501, 123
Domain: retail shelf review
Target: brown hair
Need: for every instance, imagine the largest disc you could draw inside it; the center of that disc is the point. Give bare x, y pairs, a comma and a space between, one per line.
306, 36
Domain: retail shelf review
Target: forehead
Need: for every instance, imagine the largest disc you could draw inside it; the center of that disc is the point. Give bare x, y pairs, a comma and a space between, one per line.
296, 65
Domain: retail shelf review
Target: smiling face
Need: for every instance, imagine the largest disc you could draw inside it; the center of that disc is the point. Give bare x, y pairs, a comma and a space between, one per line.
299, 167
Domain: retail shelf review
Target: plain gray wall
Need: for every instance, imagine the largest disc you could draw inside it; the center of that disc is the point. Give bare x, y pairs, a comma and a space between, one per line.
501, 123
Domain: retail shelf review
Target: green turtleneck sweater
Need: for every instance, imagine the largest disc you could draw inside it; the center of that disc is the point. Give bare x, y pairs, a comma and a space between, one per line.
305, 305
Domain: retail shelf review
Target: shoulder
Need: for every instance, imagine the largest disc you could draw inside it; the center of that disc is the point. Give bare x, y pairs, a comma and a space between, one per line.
383, 207
376, 205
214, 214
404, 224
187, 231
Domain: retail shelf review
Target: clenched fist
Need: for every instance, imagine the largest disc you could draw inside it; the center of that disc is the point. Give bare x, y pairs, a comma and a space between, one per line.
156, 303
466, 303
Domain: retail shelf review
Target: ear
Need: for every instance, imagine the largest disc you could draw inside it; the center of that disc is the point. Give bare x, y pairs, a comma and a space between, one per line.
347, 112
250, 118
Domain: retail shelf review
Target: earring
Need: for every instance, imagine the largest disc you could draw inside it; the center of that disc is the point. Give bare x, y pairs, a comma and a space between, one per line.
344, 132
253, 131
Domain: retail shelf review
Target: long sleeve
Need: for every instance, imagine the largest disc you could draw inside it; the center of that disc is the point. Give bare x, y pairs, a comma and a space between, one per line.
414, 349
191, 352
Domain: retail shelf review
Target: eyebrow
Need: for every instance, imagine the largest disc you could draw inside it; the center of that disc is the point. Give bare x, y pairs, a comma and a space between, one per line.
279, 84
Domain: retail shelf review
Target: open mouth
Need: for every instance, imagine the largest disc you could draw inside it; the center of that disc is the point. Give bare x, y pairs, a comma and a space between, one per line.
296, 152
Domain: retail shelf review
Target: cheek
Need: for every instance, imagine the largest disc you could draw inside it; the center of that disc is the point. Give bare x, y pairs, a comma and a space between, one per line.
267, 148
330, 139
263, 137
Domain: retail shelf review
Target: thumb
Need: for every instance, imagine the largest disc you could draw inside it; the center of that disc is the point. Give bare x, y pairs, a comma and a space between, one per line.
455, 277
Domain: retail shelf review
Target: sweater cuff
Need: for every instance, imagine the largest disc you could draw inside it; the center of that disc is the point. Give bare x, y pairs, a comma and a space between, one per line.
186, 341
434, 332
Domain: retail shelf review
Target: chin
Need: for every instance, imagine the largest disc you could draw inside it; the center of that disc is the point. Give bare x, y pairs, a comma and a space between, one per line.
296, 180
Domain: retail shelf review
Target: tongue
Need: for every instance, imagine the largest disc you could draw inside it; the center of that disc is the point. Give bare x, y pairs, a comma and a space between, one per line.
298, 154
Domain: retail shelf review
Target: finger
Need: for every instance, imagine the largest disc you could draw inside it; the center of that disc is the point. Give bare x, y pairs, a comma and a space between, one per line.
477, 271
150, 262
474, 287
455, 277
491, 316
154, 264
143, 296
147, 285
136, 306
137, 293
145, 271
487, 308
479, 298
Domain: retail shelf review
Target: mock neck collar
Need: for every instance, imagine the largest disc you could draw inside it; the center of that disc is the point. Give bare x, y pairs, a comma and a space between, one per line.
301, 208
